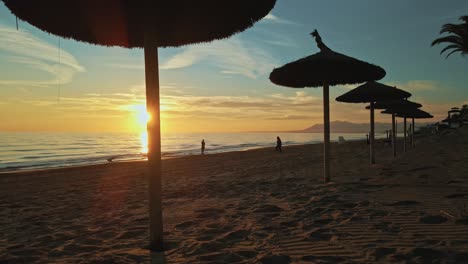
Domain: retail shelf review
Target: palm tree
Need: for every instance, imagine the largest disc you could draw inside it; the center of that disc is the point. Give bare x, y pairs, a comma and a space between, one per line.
457, 40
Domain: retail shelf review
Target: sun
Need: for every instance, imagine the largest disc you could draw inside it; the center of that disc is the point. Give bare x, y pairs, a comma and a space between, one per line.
143, 117
140, 117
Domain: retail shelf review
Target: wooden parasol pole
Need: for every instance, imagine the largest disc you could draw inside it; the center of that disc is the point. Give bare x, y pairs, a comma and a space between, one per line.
153, 128
326, 132
412, 135
404, 134
372, 132
394, 134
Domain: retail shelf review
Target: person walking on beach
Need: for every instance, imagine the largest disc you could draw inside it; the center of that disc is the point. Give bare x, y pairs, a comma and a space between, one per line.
203, 146
278, 144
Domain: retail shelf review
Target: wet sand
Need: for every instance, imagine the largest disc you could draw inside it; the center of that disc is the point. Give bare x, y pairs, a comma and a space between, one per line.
256, 206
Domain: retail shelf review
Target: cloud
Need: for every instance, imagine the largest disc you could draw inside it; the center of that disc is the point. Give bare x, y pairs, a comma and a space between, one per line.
417, 85
274, 37
128, 66
348, 86
291, 117
25, 49
272, 18
232, 56
270, 107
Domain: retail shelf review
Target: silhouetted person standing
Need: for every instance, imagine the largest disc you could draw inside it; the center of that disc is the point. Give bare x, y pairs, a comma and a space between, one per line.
278, 144
203, 146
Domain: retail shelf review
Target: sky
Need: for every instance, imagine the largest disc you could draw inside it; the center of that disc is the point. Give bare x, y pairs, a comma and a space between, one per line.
49, 83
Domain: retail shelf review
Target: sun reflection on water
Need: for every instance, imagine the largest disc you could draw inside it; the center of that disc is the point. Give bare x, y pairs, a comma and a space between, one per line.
143, 117
144, 142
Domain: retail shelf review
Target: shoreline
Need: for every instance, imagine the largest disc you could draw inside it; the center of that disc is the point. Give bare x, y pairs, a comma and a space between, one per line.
14, 170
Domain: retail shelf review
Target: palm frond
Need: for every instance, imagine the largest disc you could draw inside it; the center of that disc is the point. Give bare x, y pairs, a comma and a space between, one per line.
453, 51
464, 19
453, 46
457, 40
447, 39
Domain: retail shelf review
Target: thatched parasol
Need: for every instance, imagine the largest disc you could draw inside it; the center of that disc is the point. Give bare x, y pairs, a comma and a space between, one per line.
372, 92
405, 113
396, 105
414, 113
147, 24
124, 23
324, 69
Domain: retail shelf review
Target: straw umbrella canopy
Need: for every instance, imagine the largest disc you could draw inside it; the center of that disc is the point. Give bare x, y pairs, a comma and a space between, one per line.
396, 105
413, 113
147, 24
372, 92
325, 68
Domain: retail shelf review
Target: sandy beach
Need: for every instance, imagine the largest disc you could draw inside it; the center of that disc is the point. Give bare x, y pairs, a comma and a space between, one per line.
255, 206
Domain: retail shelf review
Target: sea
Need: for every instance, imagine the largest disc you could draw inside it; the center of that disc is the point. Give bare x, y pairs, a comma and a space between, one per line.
40, 150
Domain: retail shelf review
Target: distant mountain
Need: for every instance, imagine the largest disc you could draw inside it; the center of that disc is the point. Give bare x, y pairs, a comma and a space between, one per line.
348, 127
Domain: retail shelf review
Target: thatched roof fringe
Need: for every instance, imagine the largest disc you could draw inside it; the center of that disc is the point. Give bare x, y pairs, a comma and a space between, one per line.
330, 67
373, 92
396, 104
409, 113
120, 22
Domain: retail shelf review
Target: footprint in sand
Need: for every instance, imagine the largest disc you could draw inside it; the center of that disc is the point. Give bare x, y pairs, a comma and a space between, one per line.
246, 253
346, 205
463, 221
237, 235
291, 223
318, 210
330, 198
433, 219
454, 182
259, 235
432, 243
220, 258
456, 195
278, 259
323, 221
388, 227
380, 253
324, 259
206, 248
461, 258
320, 234
268, 208
210, 213
364, 203
423, 176
403, 203
186, 224
422, 168
420, 255
427, 255
299, 214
